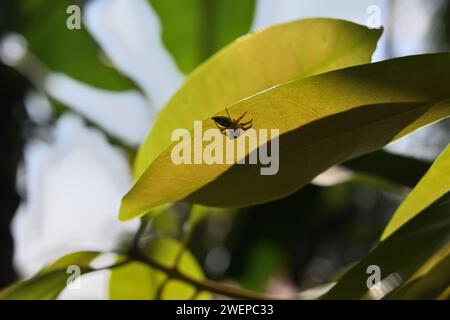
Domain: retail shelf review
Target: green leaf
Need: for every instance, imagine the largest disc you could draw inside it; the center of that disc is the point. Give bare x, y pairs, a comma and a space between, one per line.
402, 254
432, 186
195, 29
254, 63
323, 120
49, 282
72, 52
396, 168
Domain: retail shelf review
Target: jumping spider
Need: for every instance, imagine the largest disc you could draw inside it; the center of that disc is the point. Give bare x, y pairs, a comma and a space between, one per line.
223, 123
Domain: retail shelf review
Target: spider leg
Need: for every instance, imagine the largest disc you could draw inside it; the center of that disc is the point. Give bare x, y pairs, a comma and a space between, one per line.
226, 109
246, 123
222, 129
218, 127
239, 119
247, 126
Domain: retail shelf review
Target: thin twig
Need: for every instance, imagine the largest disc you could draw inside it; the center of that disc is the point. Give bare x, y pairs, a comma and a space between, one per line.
195, 294
161, 287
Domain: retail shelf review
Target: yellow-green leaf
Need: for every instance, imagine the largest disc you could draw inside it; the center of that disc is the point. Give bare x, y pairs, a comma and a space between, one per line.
433, 185
254, 63
134, 281
139, 281
323, 120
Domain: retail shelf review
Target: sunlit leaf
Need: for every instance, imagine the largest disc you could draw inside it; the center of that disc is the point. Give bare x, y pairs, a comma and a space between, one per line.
134, 281
48, 283
254, 63
433, 185
323, 120
400, 255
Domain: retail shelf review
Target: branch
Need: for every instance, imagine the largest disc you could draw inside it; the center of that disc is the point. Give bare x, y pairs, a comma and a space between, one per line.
205, 285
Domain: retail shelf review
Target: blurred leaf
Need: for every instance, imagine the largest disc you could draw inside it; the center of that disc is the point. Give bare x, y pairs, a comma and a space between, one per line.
165, 223
72, 52
134, 281
377, 182
199, 213
165, 251
396, 168
195, 29
49, 282
323, 120
139, 281
445, 295
254, 63
433, 185
430, 280
264, 260
402, 254
175, 220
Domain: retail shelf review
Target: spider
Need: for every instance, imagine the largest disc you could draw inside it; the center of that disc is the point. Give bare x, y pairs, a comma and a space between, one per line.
224, 123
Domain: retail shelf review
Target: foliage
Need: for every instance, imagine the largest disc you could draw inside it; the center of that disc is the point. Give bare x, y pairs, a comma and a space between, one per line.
311, 79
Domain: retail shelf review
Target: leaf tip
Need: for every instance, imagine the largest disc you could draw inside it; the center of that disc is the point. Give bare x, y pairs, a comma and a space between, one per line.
125, 214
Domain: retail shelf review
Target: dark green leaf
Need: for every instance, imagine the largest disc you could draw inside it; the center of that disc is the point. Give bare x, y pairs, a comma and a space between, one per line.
396, 168
195, 29
72, 52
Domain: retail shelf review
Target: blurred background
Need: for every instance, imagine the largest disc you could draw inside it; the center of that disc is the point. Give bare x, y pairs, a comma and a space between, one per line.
76, 103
